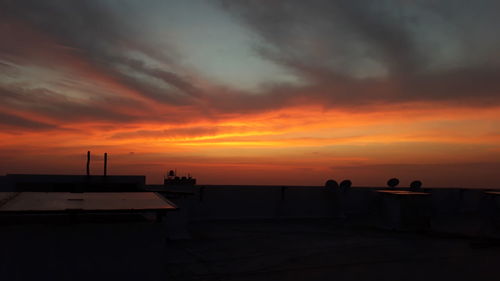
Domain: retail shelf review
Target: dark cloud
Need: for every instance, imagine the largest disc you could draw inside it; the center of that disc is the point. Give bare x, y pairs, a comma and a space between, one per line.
13, 123
352, 54
320, 34
422, 51
168, 77
60, 108
180, 90
98, 33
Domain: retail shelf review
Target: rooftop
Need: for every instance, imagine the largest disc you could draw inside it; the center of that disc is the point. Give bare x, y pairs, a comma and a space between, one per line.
298, 249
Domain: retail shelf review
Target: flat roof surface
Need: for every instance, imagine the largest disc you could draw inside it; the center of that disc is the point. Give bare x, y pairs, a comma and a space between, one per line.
89, 201
252, 250
327, 250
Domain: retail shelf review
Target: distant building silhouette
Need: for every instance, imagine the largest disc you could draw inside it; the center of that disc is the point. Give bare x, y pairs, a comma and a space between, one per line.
173, 179
72, 183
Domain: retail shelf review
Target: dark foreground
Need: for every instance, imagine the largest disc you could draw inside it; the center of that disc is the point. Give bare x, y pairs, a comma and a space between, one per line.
239, 250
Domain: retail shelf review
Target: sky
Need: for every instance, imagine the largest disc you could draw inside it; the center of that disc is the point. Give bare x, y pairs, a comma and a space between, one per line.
253, 91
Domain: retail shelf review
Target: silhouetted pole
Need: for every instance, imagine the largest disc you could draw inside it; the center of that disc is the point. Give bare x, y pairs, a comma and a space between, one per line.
105, 163
88, 163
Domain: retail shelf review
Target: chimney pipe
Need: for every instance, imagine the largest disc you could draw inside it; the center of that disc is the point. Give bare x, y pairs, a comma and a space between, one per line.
105, 163
88, 163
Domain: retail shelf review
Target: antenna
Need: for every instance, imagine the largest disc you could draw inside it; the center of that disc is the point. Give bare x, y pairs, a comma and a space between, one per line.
105, 163
88, 163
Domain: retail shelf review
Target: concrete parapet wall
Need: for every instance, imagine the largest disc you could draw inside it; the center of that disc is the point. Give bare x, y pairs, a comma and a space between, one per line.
234, 202
455, 211
243, 202
221, 202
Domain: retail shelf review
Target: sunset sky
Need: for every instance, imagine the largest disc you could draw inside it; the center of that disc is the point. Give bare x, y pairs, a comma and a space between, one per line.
253, 92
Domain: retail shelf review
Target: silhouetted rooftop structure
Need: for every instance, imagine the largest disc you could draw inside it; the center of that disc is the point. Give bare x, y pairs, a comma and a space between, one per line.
72, 183
270, 233
416, 185
331, 184
345, 184
173, 180
393, 182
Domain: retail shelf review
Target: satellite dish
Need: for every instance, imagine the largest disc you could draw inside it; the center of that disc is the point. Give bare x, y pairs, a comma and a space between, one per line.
393, 182
331, 184
345, 184
415, 185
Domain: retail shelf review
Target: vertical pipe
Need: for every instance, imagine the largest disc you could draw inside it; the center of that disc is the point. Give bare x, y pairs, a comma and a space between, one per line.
88, 163
105, 163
